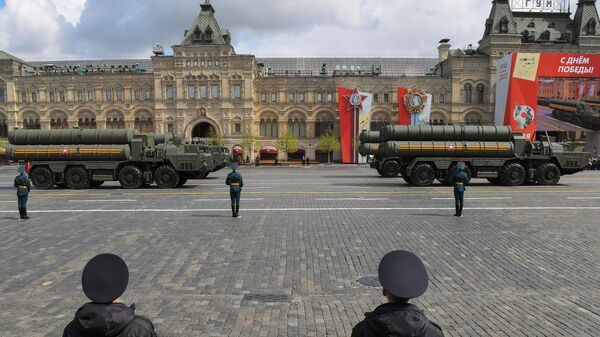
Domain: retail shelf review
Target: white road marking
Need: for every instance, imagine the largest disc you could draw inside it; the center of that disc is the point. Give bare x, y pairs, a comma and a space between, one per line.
249, 199
357, 199
327, 209
491, 198
583, 198
112, 200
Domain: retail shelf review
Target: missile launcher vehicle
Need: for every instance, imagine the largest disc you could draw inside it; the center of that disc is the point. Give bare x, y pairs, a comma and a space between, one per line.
582, 113
422, 154
81, 159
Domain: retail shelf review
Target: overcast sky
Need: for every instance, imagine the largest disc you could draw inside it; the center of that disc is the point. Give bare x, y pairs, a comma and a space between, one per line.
94, 29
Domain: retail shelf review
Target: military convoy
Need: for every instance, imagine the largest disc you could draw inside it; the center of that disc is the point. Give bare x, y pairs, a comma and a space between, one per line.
584, 113
81, 159
422, 154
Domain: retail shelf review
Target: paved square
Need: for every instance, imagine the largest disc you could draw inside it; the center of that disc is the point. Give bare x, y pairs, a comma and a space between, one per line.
524, 261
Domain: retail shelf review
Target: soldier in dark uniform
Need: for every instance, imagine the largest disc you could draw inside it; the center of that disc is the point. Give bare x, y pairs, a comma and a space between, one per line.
104, 280
23, 186
403, 276
459, 179
235, 182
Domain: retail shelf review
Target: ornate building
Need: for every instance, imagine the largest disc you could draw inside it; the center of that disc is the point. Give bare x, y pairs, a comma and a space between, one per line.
206, 89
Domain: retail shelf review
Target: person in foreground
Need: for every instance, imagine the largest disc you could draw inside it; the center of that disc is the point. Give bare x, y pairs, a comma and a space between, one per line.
403, 276
235, 182
104, 280
459, 179
23, 186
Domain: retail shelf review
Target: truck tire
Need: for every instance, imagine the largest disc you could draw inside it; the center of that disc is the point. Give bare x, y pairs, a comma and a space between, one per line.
131, 177
182, 181
165, 176
42, 178
407, 179
423, 174
78, 178
390, 169
547, 174
512, 174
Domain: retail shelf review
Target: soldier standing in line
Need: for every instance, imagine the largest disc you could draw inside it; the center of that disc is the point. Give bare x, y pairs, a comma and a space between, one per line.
235, 183
459, 179
23, 186
403, 276
104, 280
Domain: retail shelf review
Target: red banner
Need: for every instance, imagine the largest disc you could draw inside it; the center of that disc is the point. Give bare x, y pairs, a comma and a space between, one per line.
404, 114
569, 65
346, 125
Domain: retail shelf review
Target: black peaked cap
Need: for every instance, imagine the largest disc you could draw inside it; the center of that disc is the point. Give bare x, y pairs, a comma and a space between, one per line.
105, 278
403, 274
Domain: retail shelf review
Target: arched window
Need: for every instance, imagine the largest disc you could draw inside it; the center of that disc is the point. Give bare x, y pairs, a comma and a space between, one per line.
379, 121
2, 92
269, 127
297, 127
115, 120
144, 122
591, 27
87, 120
58, 120
31, 121
325, 123
473, 118
480, 94
503, 25
545, 36
467, 94
3, 126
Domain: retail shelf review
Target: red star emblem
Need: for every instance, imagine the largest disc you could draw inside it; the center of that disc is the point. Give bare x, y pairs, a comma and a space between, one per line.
451, 147
355, 100
65, 151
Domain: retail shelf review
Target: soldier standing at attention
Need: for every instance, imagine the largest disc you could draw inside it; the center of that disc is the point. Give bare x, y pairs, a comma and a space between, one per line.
235, 182
403, 276
23, 186
459, 179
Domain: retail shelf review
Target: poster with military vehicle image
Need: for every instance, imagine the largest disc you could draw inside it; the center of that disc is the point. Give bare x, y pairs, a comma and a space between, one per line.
568, 104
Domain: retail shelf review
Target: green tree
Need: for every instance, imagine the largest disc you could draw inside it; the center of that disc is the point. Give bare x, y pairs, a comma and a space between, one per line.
329, 142
215, 137
248, 142
287, 143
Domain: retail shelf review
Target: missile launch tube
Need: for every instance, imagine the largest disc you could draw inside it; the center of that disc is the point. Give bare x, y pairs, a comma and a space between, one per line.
370, 136
68, 152
446, 133
72, 137
366, 149
448, 149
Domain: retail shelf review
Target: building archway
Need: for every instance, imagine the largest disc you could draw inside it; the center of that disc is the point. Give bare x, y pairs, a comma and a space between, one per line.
268, 153
204, 130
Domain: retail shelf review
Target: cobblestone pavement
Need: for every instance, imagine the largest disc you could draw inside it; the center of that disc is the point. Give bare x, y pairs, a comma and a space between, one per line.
524, 261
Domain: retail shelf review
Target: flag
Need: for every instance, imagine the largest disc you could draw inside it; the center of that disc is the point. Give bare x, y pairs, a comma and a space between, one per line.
355, 114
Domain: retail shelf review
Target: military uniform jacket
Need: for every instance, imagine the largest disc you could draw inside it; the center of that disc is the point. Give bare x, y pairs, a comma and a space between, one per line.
235, 181
23, 185
459, 179
108, 320
396, 320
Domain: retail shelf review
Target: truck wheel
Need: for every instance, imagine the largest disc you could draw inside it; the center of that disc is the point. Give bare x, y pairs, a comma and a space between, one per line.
131, 177
166, 177
42, 178
423, 174
78, 178
182, 181
512, 174
407, 179
547, 174
390, 169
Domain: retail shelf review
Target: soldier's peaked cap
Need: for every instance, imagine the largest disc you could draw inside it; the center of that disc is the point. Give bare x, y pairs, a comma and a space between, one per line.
403, 274
105, 278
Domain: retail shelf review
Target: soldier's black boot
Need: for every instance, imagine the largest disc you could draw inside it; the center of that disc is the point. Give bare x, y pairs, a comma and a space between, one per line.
25, 217
237, 211
20, 213
460, 211
233, 211
457, 210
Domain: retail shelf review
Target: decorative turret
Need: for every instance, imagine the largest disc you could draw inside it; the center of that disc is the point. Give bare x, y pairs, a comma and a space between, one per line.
586, 22
500, 20
205, 29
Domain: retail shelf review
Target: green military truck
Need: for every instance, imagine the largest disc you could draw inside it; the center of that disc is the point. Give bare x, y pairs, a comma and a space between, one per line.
221, 157
422, 154
81, 159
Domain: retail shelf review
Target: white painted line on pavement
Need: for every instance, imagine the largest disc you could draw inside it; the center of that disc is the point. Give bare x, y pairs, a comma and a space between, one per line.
583, 198
357, 199
249, 199
112, 200
189, 210
492, 198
